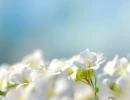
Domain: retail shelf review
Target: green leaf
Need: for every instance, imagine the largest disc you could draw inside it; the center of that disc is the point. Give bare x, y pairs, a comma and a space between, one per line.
87, 73
90, 73
78, 75
84, 74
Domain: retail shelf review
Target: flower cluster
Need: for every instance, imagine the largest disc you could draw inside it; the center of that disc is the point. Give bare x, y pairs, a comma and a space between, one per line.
76, 78
118, 81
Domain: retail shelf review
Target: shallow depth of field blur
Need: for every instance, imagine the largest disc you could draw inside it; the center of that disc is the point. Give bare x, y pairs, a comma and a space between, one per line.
63, 28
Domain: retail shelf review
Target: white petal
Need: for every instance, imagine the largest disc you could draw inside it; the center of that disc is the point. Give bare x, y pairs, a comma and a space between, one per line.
128, 68
78, 64
4, 86
115, 58
66, 66
109, 68
16, 78
54, 62
121, 82
99, 54
26, 71
94, 57
85, 56
55, 66
101, 60
95, 67
123, 62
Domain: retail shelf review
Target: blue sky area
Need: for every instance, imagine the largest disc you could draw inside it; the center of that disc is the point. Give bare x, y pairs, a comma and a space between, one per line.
62, 28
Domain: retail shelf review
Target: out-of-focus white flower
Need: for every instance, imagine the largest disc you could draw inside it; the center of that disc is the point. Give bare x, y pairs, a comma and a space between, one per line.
4, 79
34, 79
110, 66
123, 81
19, 93
3, 85
36, 56
23, 77
83, 92
14, 94
55, 67
35, 59
89, 60
116, 66
61, 85
128, 68
18, 67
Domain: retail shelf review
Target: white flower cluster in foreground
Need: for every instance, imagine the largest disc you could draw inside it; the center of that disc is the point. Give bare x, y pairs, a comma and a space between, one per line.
34, 79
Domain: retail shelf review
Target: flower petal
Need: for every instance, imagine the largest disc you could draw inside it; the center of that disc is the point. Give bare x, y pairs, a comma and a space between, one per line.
100, 60
16, 78
26, 71
55, 66
85, 56
95, 67
99, 54
78, 64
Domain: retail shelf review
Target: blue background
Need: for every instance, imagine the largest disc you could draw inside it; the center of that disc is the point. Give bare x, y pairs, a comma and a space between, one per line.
62, 28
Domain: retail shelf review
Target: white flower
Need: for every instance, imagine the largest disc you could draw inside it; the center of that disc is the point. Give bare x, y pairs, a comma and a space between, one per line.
89, 60
128, 68
16, 68
3, 85
42, 88
14, 94
59, 87
110, 66
20, 93
116, 66
4, 73
123, 81
23, 77
83, 92
55, 67
35, 58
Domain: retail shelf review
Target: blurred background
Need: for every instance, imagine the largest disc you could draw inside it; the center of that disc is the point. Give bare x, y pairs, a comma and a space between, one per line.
62, 28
